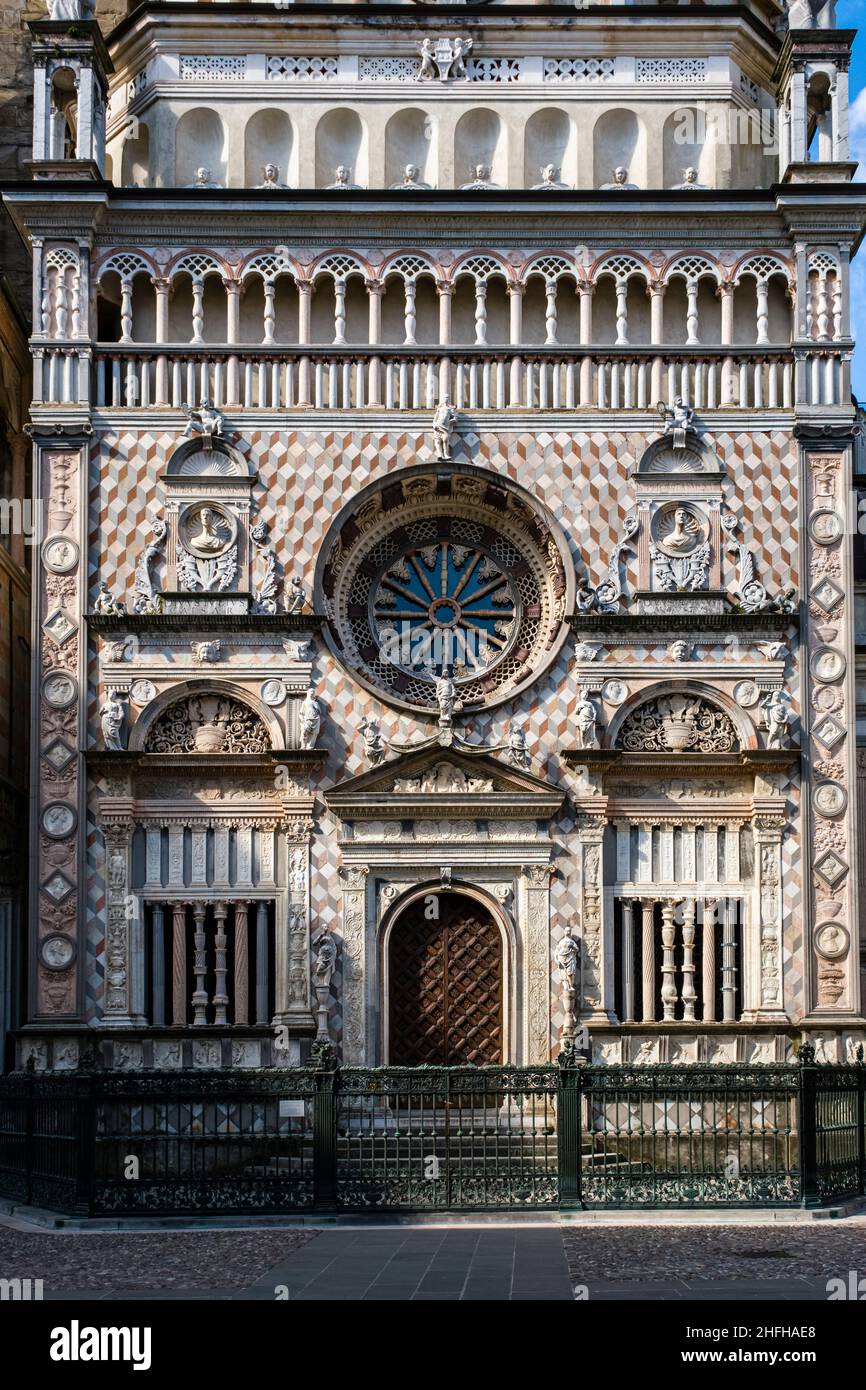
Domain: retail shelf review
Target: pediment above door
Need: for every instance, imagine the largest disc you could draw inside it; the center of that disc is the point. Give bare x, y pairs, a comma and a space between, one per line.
446, 784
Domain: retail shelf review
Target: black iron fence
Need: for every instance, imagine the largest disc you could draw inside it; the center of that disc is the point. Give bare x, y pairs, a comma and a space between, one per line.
324, 1138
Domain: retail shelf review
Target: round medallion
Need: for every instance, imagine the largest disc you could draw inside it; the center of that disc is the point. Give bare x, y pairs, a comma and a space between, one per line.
141, 692
826, 527
456, 571
678, 529
273, 691
207, 530
746, 694
59, 689
829, 798
59, 820
832, 941
827, 664
57, 952
59, 554
614, 692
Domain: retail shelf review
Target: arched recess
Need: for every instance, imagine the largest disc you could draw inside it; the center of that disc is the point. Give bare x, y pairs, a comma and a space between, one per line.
664, 692
411, 138
200, 141
63, 114
192, 459
549, 138
341, 138
471, 893
135, 159
619, 140
480, 138
269, 139
684, 146
212, 692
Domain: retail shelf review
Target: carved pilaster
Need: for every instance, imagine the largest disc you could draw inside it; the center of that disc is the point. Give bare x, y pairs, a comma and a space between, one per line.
354, 944
123, 954
832, 943
295, 969
536, 913
597, 962
56, 890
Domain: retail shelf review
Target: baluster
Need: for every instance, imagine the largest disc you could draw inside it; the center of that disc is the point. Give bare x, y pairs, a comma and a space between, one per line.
339, 311
648, 961
52, 376
319, 384
389, 385
460, 387
615, 371
550, 312
815, 398
712, 385
689, 993
197, 311
473, 385
486, 370
416, 400
409, 317
199, 997
480, 315
669, 987
60, 312
542, 384
269, 317
288, 399
178, 965
829, 380
403, 376
823, 314
556, 385
729, 962
275, 384
242, 963
708, 954
500, 384
360, 385
787, 385
346, 400
220, 998
190, 383
773, 384
622, 313
157, 970
176, 387
569, 385
430, 384
602, 385
763, 313
744, 383
641, 369
100, 381
586, 382
529, 385
126, 311
333, 384
262, 963
692, 312
837, 306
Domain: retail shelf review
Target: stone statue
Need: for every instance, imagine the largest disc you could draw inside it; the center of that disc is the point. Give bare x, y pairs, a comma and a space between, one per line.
460, 50
271, 177
444, 427
411, 179
311, 718
586, 720
777, 718
105, 602
427, 71
71, 9
202, 179
206, 653
517, 754
480, 179
374, 743
620, 181
111, 715
446, 698
811, 14
680, 651
204, 420
342, 178
677, 422
690, 180
297, 597
549, 179
326, 959
567, 956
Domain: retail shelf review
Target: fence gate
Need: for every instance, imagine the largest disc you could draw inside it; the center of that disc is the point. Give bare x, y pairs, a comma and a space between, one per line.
440, 1138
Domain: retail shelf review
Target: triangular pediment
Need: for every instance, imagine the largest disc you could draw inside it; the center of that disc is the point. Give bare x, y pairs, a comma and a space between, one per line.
448, 782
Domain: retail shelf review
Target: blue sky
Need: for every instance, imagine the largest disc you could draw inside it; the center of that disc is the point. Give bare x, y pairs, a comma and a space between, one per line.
851, 14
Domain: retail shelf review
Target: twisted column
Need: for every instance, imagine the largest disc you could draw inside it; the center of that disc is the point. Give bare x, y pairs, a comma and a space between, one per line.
178, 965
242, 962
649, 961
708, 952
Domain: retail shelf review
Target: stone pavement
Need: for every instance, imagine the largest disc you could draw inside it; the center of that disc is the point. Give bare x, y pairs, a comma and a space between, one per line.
492, 1260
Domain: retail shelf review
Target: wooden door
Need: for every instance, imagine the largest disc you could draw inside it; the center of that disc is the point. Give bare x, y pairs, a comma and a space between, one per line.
445, 982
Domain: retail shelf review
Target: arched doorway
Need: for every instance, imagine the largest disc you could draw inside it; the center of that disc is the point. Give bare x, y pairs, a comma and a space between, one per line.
445, 984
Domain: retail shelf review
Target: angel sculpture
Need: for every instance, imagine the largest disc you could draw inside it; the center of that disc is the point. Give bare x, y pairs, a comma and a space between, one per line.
677, 422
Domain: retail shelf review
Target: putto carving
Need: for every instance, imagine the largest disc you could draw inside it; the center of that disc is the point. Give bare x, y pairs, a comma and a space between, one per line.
105, 602
678, 422
208, 724
443, 779
620, 183
375, 745
481, 179
550, 179
268, 586
443, 59
678, 723
203, 420
680, 549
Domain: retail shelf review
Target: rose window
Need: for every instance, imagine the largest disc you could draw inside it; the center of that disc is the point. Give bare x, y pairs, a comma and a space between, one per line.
445, 570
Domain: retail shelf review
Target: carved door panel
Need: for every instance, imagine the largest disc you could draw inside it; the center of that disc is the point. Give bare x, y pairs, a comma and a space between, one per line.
445, 984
